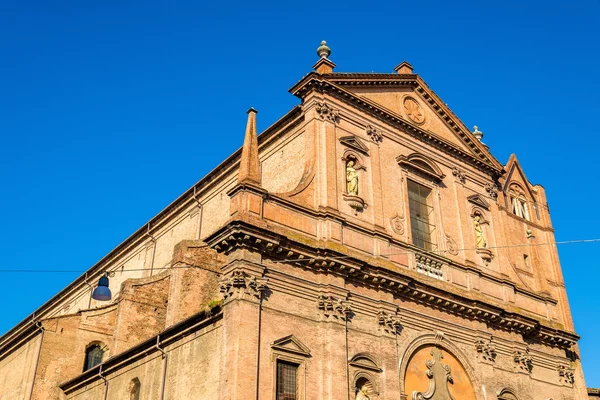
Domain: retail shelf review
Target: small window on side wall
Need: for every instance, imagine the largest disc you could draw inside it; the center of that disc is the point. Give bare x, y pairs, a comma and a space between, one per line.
93, 356
286, 380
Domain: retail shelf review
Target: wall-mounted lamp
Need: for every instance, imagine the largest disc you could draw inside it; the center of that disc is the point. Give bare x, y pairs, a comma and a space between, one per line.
102, 292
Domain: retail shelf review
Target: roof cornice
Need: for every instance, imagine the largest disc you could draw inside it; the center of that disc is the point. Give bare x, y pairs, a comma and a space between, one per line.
332, 84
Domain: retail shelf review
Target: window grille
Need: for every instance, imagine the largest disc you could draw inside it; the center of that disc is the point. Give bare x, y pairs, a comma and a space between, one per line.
93, 356
286, 381
421, 216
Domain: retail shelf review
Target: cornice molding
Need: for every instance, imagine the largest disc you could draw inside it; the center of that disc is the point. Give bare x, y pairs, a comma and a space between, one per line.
320, 84
241, 234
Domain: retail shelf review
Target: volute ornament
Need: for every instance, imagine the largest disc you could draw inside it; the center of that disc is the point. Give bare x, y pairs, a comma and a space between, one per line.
439, 375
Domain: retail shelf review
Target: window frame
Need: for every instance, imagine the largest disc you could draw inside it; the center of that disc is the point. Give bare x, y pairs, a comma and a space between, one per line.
432, 214
88, 350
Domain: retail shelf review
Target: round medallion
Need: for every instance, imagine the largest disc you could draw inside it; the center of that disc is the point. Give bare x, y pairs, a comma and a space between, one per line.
413, 110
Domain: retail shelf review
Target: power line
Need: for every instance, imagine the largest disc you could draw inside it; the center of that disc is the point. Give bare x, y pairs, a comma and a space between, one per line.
8, 270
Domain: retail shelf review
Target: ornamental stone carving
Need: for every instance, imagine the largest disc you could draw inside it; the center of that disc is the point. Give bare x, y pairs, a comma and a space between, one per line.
429, 266
333, 307
374, 134
439, 375
327, 113
566, 375
486, 350
397, 224
413, 110
241, 284
523, 361
492, 190
451, 246
459, 174
389, 323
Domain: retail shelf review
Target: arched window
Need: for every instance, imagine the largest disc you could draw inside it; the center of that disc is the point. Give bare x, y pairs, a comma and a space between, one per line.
93, 356
134, 389
518, 202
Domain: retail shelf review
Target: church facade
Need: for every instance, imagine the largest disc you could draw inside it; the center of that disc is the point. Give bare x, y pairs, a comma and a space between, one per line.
365, 246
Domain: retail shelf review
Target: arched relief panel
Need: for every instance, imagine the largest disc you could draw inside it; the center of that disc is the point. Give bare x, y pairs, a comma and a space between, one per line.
433, 368
507, 394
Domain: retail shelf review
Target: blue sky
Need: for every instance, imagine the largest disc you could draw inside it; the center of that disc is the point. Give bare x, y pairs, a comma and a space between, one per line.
110, 110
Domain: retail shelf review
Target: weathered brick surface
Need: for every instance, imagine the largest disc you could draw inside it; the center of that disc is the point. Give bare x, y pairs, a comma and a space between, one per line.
292, 255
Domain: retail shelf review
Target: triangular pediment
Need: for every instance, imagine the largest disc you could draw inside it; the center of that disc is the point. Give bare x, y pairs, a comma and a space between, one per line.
515, 175
479, 201
291, 344
355, 143
404, 97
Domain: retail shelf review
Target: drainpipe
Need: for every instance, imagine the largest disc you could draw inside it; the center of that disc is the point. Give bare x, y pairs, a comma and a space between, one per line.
164, 367
105, 382
199, 228
38, 324
258, 346
153, 247
347, 361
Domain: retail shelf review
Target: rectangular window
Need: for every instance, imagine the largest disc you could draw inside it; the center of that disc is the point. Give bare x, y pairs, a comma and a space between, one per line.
526, 260
286, 380
420, 203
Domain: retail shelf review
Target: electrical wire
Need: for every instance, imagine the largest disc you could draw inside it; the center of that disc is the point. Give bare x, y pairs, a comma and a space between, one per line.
302, 259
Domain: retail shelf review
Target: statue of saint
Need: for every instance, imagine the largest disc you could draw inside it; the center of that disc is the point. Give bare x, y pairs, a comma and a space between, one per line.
481, 242
351, 179
362, 393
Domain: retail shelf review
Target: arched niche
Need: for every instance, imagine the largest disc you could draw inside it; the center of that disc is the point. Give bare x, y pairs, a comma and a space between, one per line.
364, 374
507, 394
422, 165
134, 389
431, 358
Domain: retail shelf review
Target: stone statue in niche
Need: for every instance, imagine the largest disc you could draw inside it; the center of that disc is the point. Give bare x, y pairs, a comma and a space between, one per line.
351, 178
362, 393
481, 242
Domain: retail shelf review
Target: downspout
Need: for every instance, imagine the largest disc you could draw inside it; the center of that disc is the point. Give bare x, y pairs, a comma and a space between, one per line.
38, 324
260, 291
200, 212
164, 367
105, 382
153, 247
347, 360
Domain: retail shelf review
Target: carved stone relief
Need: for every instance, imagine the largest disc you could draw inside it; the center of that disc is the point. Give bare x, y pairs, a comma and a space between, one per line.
375, 134
439, 376
333, 307
566, 375
492, 190
486, 350
327, 113
397, 224
389, 323
413, 110
451, 246
429, 266
523, 361
459, 174
241, 284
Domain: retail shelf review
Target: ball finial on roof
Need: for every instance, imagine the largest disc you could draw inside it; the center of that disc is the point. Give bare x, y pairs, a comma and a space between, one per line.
323, 51
477, 133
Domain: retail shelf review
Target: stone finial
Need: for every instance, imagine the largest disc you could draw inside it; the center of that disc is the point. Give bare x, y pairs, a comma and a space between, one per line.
404, 68
477, 133
323, 51
324, 65
250, 164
